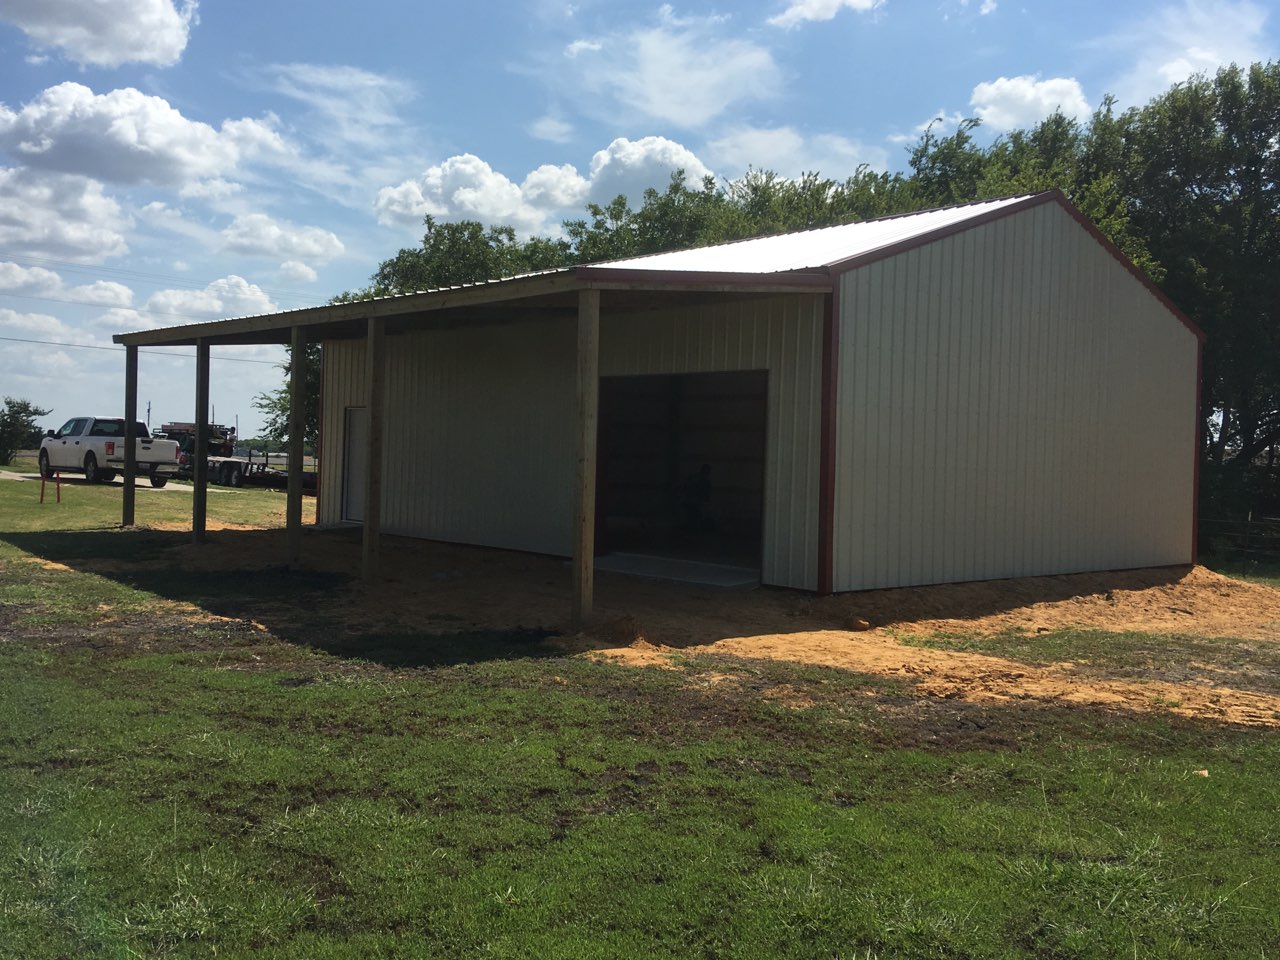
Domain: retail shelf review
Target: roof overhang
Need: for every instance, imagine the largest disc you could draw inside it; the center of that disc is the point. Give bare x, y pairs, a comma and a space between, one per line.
547, 295
629, 287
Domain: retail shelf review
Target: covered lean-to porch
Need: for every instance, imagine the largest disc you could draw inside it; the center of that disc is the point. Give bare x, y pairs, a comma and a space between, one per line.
473, 415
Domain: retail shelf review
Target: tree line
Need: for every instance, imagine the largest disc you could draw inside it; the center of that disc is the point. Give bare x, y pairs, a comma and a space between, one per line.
1186, 186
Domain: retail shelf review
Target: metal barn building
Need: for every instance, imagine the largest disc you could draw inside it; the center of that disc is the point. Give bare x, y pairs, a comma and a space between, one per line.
977, 392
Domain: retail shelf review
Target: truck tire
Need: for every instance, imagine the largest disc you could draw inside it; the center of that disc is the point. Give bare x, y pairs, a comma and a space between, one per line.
46, 470
91, 472
234, 477
158, 481
106, 476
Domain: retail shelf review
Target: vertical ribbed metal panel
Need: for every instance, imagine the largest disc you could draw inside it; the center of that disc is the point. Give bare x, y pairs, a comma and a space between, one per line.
343, 387
1011, 402
479, 444
479, 447
782, 335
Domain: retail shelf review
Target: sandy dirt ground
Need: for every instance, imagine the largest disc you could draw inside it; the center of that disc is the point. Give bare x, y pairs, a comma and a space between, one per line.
437, 588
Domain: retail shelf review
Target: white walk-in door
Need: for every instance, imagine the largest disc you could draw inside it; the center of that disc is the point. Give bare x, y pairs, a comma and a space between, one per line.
355, 455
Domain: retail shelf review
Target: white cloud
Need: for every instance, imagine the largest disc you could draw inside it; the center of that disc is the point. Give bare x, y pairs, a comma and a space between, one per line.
551, 128
296, 271
231, 296
355, 104
466, 187
682, 71
42, 283
1009, 102
945, 121
988, 6
160, 215
629, 167
127, 136
106, 33
32, 325
582, 46
59, 216
803, 11
463, 187
256, 234
103, 293
34, 370
786, 151
214, 189
555, 188
1195, 36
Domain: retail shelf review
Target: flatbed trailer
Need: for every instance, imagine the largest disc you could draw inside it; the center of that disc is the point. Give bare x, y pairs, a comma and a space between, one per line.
246, 471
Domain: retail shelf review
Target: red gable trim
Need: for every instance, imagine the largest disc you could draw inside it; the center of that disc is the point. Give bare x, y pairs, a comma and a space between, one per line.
1049, 196
1128, 264
911, 243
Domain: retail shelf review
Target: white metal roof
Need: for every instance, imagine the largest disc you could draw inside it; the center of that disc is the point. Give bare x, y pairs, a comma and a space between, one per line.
811, 248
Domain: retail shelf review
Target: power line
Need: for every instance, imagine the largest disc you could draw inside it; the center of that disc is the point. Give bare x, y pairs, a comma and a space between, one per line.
158, 353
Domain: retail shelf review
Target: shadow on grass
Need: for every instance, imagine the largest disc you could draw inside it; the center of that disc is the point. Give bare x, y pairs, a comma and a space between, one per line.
459, 594
295, 606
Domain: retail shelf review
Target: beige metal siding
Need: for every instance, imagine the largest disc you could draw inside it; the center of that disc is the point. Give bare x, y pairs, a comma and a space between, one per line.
343, 386
782, 335
1011, 402
480, 449
479, 445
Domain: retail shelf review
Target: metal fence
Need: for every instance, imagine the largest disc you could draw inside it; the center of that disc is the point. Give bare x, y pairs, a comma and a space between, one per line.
1257, 538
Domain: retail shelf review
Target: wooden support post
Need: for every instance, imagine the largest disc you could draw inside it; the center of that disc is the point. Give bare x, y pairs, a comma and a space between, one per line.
130, 434
297, 430
588, 411
375, 400
200, 451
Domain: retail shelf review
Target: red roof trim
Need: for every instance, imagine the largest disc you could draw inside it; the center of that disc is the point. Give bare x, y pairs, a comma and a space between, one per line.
1049, 196
911, 243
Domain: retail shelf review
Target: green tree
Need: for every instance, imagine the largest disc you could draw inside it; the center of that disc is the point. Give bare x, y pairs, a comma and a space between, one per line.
464, 252
1203, 175
275, 404
18, 429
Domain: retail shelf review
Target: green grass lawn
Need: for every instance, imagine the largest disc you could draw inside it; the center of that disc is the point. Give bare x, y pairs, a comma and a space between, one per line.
97, 506
176, 785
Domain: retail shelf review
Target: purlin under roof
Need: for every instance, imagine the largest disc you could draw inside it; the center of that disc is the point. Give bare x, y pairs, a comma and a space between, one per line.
810, 249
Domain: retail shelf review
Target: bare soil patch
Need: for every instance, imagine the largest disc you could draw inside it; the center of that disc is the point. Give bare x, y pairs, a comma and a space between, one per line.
440, 590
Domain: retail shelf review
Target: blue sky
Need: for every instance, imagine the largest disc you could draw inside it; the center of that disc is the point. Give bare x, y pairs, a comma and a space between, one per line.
167, 161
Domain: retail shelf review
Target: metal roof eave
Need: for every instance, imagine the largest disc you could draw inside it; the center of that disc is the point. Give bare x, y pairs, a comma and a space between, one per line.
338, 318
275, 327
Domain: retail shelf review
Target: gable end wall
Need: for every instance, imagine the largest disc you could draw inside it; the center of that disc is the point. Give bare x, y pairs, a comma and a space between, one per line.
1011, 402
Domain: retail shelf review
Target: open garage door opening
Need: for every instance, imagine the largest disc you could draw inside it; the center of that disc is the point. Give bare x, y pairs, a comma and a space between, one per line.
681, 466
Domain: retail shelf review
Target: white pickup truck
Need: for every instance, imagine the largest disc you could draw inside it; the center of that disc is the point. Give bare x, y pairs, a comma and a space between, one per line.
94, 446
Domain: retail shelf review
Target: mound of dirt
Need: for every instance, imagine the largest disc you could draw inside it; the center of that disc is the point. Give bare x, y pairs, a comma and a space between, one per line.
1180, 600
1192, 601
